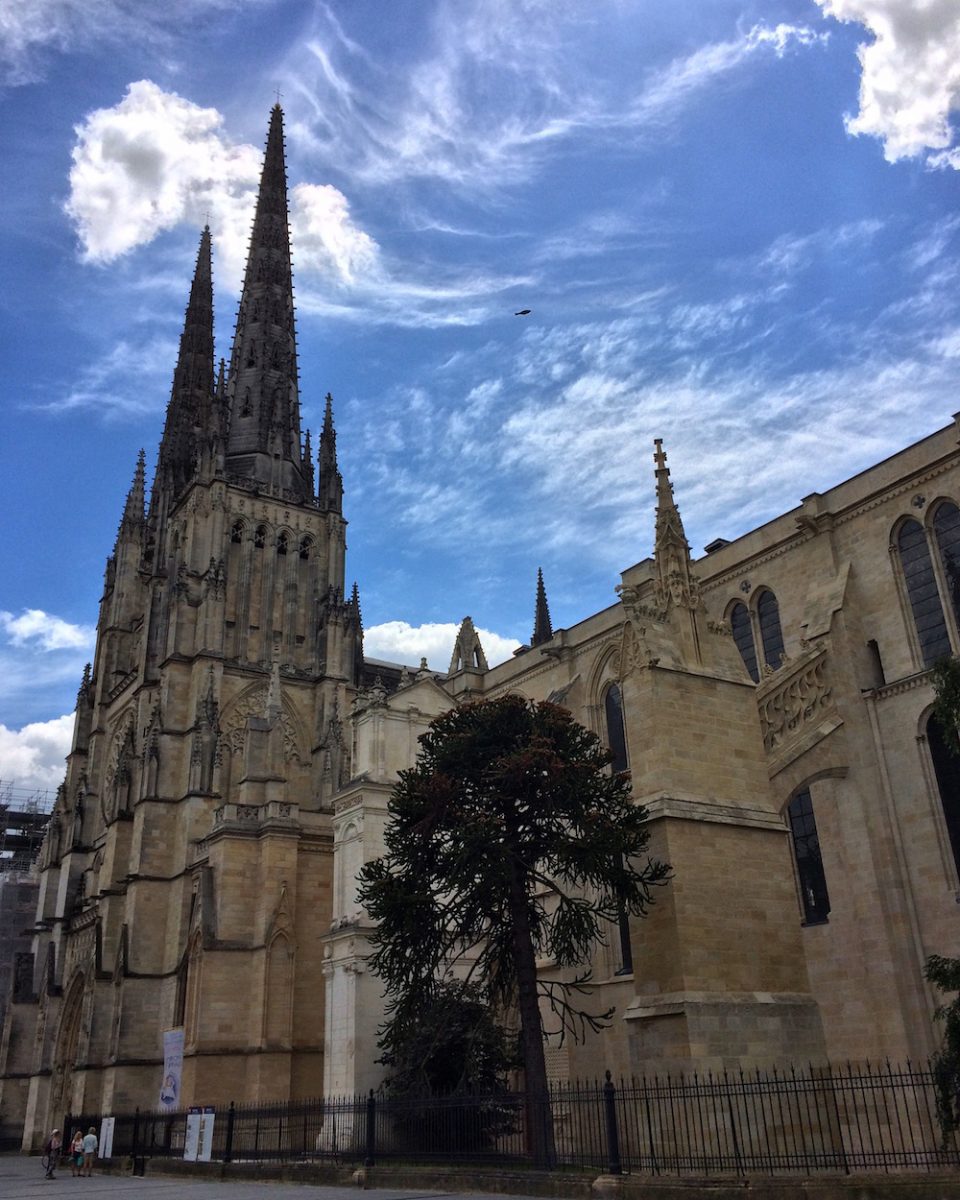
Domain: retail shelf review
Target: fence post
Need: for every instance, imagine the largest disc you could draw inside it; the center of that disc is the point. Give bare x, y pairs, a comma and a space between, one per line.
136, 1132
371, 1129
228, 1143
613, 1134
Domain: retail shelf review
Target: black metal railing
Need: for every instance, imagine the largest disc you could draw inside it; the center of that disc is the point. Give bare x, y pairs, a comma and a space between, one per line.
758, 1123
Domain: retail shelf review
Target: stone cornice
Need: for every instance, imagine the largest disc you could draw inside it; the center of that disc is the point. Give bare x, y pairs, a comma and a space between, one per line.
899, 686
712, 812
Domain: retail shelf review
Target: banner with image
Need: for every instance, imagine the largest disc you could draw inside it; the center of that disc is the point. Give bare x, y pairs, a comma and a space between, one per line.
172, 1068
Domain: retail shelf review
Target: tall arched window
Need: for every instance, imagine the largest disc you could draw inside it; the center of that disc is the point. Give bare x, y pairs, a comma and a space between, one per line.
946, 767
616, 734
771, 635
617, 741
806, 851
922, 592
742, 629
946, 528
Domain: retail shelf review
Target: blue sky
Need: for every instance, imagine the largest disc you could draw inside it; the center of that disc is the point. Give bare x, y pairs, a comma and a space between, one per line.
736, 224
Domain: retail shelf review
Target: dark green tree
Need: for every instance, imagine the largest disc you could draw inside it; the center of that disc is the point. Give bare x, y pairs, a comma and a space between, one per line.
508, 840
945, 675
447, 1067
944, 973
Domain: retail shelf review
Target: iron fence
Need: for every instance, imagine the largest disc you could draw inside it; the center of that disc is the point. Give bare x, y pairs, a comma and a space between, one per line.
796, 1122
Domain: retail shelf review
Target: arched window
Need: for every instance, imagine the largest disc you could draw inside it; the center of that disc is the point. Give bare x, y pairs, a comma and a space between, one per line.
743, 635
946, 767
922, 592
617, 741
616, 734
260, 537
806, 851
282, 543
771, 635
946, 528
306, 545
236, 533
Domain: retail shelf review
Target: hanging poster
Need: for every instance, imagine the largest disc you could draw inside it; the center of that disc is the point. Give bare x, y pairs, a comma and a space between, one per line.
198, 1139
105, 1147
172, 1068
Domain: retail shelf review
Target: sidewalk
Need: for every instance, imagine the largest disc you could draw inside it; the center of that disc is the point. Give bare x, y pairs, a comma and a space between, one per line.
22, 1178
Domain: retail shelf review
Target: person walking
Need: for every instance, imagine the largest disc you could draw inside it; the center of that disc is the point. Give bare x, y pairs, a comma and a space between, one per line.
51, 1152
89, 1152
76, 1153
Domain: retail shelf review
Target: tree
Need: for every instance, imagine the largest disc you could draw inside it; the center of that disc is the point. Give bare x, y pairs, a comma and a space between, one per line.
447, 1066
944, 973
509, 839
945, 676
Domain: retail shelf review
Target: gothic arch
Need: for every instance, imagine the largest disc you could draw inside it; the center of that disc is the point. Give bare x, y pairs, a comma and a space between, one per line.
194, 978
66, 1048
278, 992
915, 568
251, 702
119, 790
605, 670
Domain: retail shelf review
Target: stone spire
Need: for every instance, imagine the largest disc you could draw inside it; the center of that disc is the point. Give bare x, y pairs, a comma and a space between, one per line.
675, 581
330, 491
542, 629
132, 520
308, 462
467, 652
263, 444
191, 409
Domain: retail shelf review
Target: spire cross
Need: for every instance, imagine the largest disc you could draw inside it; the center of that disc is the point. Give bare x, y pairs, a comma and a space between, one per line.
278, 94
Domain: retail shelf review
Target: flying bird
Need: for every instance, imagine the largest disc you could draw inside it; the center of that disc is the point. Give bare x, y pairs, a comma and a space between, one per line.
524, 312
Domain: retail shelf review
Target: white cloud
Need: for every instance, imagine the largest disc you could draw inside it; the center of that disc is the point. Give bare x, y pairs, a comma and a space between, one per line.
153, 161
910, 77
44, 631
33, 757
31, 30
397, 641
327, 240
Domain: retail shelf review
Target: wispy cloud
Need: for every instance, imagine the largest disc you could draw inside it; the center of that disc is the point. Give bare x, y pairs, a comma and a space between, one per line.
41, 656
31, 32
910, 75
498, 85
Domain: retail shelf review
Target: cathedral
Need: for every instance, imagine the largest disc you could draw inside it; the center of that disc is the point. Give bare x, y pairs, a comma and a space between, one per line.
198, 938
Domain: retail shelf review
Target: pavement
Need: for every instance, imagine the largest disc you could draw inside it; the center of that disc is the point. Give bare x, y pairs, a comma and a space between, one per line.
21, 1178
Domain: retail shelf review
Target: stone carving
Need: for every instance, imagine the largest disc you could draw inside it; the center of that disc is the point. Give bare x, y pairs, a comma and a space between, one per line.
796, 701
253, 704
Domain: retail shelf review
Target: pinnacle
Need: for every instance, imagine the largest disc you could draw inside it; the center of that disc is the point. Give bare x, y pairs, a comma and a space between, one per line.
542, 628
262, 392
190, 411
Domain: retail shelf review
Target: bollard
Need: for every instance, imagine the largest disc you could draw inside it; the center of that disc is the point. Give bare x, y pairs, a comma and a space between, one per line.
613, 1134
228, 1143
371, 1129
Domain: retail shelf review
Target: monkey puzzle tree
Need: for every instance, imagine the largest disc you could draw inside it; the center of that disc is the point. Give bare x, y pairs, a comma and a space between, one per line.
508, 840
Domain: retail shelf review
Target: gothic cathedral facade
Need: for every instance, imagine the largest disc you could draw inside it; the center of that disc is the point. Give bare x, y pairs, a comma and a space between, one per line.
234, 752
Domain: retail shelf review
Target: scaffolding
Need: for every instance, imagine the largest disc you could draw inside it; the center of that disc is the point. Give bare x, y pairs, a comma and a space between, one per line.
24, 815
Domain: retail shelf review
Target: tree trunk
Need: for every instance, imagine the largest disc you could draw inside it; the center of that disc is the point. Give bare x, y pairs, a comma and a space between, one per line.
539, 1116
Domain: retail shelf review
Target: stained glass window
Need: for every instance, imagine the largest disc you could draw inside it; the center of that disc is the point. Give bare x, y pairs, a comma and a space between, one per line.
806, 850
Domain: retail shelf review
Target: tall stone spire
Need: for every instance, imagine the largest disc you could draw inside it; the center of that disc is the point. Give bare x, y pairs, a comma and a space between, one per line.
330, 491
263, 444
675, 581
190, 411
542, 628
132, 520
